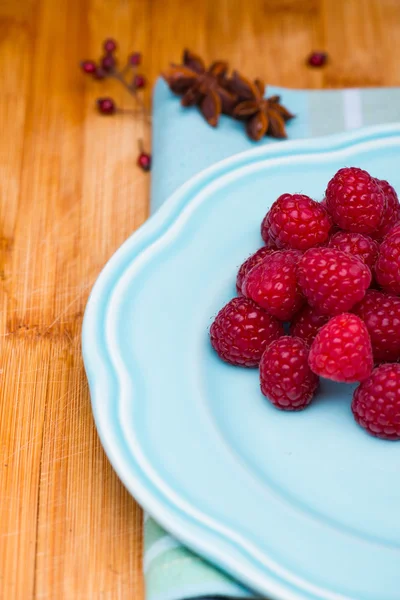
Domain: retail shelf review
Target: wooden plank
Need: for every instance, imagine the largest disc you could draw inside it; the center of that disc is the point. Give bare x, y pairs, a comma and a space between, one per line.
89, 528
70, 193
21, 418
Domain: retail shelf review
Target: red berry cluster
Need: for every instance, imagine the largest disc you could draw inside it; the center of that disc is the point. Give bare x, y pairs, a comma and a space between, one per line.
330, 269
107, 66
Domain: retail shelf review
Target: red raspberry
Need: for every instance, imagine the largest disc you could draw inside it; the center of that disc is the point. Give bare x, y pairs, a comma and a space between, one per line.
296, 221
387, 267
265, 226
335, 229
273, 285
394, 231
295, 254
251, 262
286, 379
342, 350
271, 244
357, 244
355, 200
324, 203
241, 331
391, 213
376, 403
332, 281
381, 314
307, 323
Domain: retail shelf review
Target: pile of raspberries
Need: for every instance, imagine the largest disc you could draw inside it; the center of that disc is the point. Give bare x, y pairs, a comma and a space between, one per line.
321, 298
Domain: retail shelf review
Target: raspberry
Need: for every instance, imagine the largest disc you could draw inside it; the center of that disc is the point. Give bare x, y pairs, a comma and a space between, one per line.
241, 331
387, 267
357, 244
332, 281
265, 227
355, 200
286, 379
251, 262
295, 254
296, 221
394, 231
381, 315
342, 350
306, 324
335, 229
376, 403
273, 285
391, 213
271, 244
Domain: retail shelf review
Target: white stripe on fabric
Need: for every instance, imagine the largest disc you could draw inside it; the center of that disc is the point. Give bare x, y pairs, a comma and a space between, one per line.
352, 109
146, 517
162, 545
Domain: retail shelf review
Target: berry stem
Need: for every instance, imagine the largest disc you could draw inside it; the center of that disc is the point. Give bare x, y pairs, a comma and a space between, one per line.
125, 70
131, 89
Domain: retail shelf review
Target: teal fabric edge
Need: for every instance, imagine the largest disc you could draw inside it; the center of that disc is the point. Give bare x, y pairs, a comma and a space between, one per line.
223, 590
175, 559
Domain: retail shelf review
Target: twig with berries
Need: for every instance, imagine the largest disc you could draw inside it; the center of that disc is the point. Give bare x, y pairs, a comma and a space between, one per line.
129, 77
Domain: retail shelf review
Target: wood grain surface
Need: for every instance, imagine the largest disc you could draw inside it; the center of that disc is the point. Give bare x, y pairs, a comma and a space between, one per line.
70, 193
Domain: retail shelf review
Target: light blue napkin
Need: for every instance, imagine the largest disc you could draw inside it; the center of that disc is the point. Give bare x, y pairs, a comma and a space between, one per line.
184, 145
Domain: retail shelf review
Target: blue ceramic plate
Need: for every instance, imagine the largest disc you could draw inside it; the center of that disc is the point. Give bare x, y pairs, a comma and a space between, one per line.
298, 506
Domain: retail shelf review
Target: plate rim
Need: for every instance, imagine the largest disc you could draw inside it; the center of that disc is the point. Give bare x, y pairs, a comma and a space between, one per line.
152, 230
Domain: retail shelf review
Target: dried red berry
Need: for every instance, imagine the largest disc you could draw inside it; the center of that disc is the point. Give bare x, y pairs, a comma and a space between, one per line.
88, 67
106, 106
109, 45
317, 59
108, 62
135, 59
139, 81
144, 161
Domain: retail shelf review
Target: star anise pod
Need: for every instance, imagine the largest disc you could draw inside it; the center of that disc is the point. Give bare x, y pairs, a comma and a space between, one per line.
203, 87
263, 116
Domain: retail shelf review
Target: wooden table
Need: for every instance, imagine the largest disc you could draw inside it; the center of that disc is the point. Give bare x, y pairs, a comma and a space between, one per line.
70, 193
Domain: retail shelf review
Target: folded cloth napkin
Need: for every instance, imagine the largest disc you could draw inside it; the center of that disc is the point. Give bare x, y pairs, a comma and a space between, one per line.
184, 145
